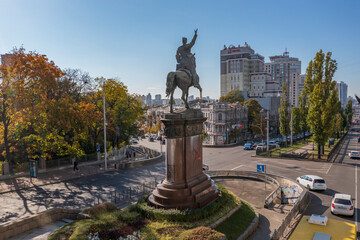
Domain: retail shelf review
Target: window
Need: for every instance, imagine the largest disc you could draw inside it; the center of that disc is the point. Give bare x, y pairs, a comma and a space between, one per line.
220, 116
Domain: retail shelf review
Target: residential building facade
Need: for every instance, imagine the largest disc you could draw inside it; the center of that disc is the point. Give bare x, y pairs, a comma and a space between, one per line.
342, 93
284, 68
224, 120
236, 64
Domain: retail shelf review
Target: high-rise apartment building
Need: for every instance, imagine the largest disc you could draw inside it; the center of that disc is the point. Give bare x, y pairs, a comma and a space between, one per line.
342, 93
148, 99
236, 64
284, 68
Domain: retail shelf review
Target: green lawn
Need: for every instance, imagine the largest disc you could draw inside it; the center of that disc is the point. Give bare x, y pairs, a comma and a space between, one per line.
234, 226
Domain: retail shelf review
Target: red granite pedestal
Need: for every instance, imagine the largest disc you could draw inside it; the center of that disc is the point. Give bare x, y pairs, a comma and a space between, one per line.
186, 186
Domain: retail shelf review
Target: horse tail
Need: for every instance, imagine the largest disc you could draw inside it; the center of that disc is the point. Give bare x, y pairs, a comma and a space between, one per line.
170, 83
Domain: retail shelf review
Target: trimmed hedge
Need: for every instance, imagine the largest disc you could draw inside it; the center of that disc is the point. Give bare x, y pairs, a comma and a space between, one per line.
188, 215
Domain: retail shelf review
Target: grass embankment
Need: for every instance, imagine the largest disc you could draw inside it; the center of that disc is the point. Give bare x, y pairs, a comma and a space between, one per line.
111, 223
234, 226
312, 154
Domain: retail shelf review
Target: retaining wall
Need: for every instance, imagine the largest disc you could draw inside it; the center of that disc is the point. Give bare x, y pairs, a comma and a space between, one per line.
22, 225
299, 207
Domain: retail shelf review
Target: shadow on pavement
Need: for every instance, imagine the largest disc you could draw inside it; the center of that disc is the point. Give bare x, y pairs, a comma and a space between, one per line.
263, 231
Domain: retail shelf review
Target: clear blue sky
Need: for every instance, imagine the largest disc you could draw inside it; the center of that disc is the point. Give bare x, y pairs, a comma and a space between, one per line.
136, 40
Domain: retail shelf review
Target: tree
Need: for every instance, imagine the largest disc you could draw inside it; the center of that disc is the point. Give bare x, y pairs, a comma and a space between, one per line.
323, 100
284, 117
303, 112
253, 107
296, 120
232, 97
348, 112
28, 84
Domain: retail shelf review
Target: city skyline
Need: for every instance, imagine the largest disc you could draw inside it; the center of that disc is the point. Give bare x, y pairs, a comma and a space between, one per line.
136, 41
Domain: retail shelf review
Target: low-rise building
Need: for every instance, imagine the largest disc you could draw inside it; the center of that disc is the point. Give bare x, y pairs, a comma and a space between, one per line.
225, 122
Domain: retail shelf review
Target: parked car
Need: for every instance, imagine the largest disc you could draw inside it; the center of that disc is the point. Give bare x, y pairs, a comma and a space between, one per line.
312, 182
158, 138
134, 140
248, 146
205, 167
354, 154
261, 146
151, 139
342, 204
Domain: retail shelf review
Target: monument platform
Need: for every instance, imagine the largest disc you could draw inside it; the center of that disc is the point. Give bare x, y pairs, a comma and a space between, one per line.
186, 185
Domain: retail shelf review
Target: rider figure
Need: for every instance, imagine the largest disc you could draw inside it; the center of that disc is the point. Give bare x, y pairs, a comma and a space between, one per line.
186, 60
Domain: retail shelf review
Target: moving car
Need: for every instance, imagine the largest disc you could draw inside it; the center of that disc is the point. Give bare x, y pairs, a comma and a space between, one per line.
342, 204
248, 146
354, 154
134, 140
151, 139
312, 182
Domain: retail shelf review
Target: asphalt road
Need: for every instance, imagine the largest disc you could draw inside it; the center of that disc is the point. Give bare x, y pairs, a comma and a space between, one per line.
340, 177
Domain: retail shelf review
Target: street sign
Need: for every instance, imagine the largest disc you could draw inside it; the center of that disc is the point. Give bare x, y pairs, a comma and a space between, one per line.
260, 168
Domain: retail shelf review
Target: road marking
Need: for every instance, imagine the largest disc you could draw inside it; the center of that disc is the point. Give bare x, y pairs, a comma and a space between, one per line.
329, 169
237, 167
356, 199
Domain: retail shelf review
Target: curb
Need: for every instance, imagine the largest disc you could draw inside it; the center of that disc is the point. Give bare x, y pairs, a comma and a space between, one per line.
254, 224
221, 146
222, 219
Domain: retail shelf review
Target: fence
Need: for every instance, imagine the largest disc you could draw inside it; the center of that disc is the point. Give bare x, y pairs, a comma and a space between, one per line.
125, 196
141, 153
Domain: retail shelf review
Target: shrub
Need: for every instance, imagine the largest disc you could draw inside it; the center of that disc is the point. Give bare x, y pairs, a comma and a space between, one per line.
130, 217
100, 209
187, 215
201, 233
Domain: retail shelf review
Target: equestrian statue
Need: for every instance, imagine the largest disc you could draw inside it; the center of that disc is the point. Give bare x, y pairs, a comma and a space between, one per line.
185, 75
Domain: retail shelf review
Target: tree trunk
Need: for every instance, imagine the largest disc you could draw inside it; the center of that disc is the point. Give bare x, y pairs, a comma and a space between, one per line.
319, 151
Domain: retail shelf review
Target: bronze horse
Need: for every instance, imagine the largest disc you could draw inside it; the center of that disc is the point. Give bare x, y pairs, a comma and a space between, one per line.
184, 81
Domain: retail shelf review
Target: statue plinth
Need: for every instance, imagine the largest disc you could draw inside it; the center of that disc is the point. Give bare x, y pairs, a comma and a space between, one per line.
185, 185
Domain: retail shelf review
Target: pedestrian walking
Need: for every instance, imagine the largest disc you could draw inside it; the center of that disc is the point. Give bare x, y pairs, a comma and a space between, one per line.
134, 154
75, 165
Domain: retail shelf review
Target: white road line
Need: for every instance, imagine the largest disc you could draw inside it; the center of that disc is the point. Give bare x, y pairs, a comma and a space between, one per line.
356, 199
329, 169
237, 167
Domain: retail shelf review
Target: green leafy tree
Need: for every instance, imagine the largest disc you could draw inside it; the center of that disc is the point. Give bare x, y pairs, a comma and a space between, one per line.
296, 120
232, 97
323, 100
348, 112
303, 112
253, 107
284, 116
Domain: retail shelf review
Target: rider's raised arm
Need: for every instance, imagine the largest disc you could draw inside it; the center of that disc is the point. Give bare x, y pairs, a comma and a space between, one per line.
193, 39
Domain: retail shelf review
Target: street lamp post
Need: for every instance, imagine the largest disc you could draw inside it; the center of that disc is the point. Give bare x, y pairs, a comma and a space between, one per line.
105, 153
227, 135
267, 131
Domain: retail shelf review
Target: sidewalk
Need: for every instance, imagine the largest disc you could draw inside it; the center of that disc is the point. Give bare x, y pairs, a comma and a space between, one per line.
51, 177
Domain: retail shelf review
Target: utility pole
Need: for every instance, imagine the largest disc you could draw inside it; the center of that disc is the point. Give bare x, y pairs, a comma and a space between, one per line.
105, 154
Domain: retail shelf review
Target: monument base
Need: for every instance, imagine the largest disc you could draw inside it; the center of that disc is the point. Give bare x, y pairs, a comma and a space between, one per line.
185, 186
